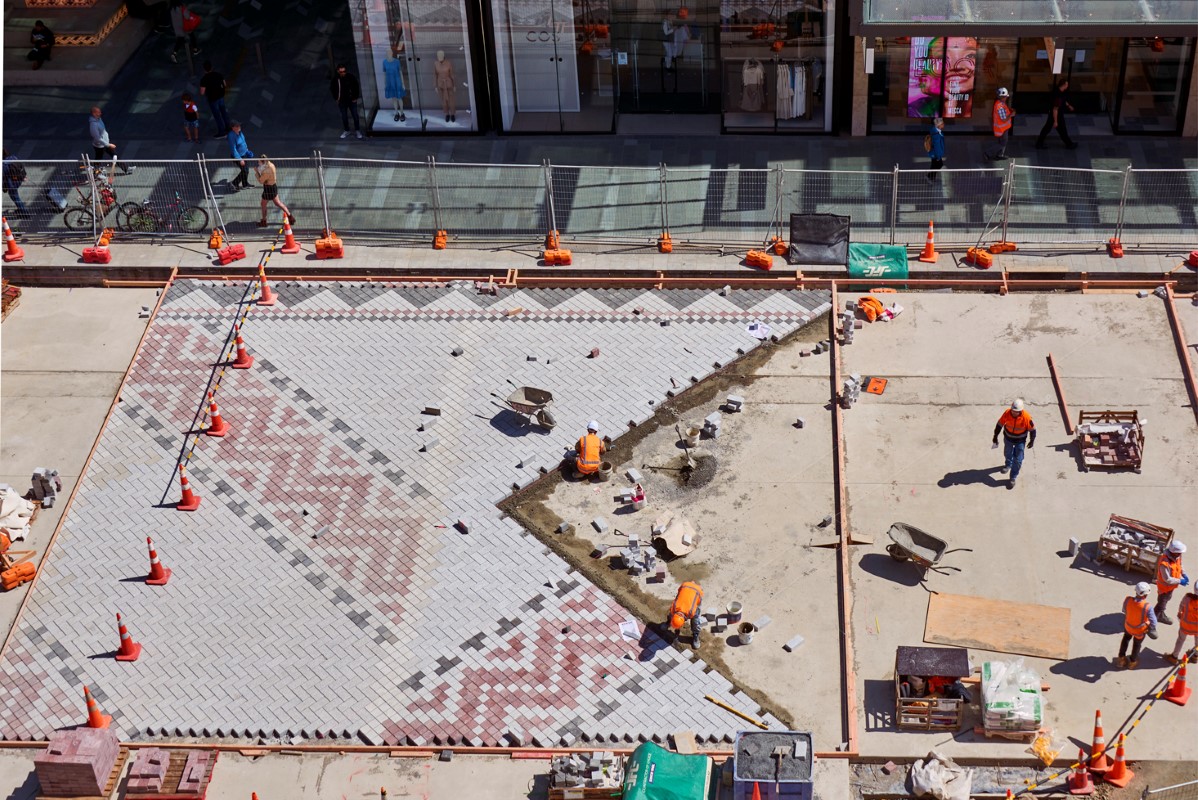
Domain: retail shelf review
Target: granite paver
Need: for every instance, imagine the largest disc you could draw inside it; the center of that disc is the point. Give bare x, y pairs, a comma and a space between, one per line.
323, 588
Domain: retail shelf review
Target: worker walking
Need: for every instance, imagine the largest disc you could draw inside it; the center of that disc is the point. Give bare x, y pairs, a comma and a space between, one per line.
1018, 432
1169, 576
1138, 621
687, 608
1002, 118
1187, 621
589, 452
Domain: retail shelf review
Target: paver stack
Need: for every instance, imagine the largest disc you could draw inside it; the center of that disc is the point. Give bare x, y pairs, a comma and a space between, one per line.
77, 763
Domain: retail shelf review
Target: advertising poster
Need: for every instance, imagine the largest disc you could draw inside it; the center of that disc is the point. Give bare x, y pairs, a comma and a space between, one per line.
924, 88
960, 64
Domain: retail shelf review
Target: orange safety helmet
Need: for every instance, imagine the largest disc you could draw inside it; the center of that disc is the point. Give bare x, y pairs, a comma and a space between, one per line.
676, 620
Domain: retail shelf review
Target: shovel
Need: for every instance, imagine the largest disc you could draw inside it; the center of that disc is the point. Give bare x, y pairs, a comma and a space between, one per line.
778, 753
690, 462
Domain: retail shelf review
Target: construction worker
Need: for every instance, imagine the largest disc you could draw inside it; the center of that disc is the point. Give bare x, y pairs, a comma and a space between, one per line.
1187, 620
686, 607
1018, 431
589, 452
1002, 118
1169, 576
1138, 620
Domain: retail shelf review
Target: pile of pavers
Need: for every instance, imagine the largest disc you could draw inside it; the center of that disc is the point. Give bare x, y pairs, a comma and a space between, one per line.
77, 763
597, 770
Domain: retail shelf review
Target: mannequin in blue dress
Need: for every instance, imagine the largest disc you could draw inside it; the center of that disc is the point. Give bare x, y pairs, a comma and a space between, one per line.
393, 87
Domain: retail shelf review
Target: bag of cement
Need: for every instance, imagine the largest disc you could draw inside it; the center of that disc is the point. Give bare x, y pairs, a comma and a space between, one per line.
1010, 697
941, 778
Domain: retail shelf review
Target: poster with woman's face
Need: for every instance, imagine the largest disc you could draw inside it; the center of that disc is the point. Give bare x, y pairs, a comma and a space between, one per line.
960, 64
924, 78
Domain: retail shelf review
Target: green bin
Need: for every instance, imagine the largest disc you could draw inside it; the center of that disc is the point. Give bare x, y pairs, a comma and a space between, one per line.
876, 262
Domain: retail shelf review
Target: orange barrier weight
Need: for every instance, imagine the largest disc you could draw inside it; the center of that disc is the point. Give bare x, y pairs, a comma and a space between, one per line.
16, 576
96, 255
557, 258
1192, 261
230, 253
664, 243
216, 426
1114, 247
1099, 763
780, 247
1003, 247
440, 239
290, 245
330, 246
159, 575
978, 257
1178, 692
11, 251
129, 650
216, 240
929, 255
190, 501
105, 237
243, 360
1080, 781
1120, 775
94, 718
760, 259
551, 241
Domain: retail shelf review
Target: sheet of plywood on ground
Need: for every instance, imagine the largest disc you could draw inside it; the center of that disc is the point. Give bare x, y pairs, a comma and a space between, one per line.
997, 625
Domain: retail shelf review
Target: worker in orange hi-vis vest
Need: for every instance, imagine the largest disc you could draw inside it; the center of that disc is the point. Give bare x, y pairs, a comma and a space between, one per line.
588, 452
1169, 575
1187, 620
1018, 432
1002, 118
686, 608
1138, 621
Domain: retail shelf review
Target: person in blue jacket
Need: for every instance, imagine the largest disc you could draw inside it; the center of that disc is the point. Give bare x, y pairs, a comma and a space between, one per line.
240, 151
936, 152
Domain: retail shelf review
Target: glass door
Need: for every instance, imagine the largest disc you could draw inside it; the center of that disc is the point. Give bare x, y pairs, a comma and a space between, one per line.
667, 56
1092, 68
1153, 84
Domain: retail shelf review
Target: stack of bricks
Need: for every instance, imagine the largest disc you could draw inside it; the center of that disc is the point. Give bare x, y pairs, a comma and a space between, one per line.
77, 763
193, 780
46, 486
148, 771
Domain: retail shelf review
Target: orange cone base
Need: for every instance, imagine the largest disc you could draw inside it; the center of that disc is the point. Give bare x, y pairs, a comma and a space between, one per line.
14, 254
218, 428
244, 360
1101, 765
190, 502
166, 576
133, 653
1180, 698
268, 297
1081, 783
1121, 780
290, 247
103, 721
929, 259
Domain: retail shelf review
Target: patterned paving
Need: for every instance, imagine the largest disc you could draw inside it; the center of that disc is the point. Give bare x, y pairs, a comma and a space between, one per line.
322, 590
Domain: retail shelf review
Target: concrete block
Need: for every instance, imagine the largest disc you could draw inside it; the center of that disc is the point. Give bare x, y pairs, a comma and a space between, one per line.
594, 353
530, 358
463, 525
634, 475
457, 351
599, 524
804, 353
734, 402
446, 755
713, 420
431, 411
800, 423
429, 444
429, 424
793, 644
565, 527
761, 623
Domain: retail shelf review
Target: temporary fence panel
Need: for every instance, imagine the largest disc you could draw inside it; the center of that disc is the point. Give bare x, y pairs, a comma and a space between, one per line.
866, 197
963, 204
1179, 791
1062, 205
484, 201
50, 188
717, 206
241, 209
1161, 208
153, 199
380, 198
621, 204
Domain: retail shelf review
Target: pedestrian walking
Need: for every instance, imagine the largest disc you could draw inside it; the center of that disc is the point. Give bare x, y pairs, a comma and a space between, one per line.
1018, 432
1138, 621
1187, 621
1056, 116
42, 40
346, 91
191, 118
240, 151
935, 147
14, 176
184, 23
1169, 575
1002, 118
102, 148
267, 176
212, 88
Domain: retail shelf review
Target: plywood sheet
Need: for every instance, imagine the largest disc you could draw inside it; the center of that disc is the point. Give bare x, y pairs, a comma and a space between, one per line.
997, 625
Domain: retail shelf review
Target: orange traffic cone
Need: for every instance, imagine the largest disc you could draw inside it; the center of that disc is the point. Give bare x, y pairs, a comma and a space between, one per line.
11, 251
1120, 775
1178, 692
1099, 763
159, 574
216, 425
94, 718
190, 500
756, 791
1080, 781
267, 297
929, 256
244, 360
129, 649
290, 245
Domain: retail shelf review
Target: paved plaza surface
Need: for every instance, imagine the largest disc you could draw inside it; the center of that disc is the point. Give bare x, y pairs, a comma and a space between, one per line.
322, 588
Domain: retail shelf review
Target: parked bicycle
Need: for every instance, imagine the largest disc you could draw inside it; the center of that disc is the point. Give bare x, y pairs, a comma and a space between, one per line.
144, 219
80, 217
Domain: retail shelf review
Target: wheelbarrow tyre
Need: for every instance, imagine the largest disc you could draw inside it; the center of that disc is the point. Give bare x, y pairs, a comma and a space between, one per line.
546, 419
896, 553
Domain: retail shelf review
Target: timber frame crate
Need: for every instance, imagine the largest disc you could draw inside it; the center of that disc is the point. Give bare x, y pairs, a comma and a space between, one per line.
929, 713
1107, 449
1113, 547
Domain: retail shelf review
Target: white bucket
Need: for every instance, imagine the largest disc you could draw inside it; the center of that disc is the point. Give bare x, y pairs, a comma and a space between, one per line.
604, 473
745, 632
692, 436
735, 609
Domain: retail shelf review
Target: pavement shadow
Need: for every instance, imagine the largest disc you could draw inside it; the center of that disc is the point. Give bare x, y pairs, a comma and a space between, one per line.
1087, 561
883, 566
1106, 624
1071, 448
967, 477
1088, 669
510, 423
27, 790
651, 643
540, 787
879, 705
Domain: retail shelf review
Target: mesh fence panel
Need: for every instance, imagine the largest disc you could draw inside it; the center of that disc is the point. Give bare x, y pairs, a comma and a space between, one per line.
1162, 207
734, 206
158, 198
481, 201
380, 198
963, 203
299, 189
50, 189
1180, 791
1063, 205
864, 196
608, 203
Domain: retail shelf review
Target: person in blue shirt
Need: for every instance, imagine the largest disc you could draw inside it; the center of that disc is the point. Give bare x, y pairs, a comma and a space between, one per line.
240, 151
936, 153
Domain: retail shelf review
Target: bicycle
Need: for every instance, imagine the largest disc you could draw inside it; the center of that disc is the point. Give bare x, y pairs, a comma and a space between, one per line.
143, 219
80, 217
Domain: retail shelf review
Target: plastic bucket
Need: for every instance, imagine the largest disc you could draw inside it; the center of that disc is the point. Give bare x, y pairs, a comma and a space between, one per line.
692, 436
745, 632
604, 473
735, 609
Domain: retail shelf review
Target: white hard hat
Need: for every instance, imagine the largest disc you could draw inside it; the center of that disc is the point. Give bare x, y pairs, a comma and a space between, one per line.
1141, 589
1177, 547
593, 426
1017, 405
1003, 92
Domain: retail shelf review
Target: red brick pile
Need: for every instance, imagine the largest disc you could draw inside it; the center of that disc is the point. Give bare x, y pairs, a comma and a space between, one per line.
77, 763
148, 771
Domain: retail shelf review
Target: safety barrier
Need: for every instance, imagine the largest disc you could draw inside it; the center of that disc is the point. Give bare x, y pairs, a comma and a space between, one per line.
517, 204
1179, 791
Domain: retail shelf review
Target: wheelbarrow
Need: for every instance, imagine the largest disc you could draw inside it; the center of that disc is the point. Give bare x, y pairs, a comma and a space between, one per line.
533, 403
909, 543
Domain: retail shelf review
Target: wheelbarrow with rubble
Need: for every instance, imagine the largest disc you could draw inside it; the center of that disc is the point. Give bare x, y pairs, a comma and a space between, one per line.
533, 403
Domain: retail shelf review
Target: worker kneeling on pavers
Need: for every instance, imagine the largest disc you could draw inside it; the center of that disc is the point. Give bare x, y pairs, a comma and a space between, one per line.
687, 607
1138, 620
589, 452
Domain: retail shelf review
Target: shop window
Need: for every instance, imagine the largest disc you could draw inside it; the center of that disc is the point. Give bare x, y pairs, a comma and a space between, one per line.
1152, 89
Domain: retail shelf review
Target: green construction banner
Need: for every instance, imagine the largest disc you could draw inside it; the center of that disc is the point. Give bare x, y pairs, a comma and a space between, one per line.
654, 773
877, 261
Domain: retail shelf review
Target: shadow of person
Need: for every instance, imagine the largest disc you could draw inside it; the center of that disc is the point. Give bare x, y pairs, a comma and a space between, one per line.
886, 567
651, 643
1106, 624
1084, 668
967, 477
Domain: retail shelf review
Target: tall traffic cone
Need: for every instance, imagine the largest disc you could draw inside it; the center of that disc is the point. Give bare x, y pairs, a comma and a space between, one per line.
1120, 775
756, 791
129, 649
190, 500
1080, 781
11, 251
1178, 692
244, 360
216, 425
159, 574
290, 245
929, 256
1099, 763
267, 297
94, 718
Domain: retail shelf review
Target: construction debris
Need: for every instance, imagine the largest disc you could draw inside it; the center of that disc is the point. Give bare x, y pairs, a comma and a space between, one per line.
597, 770
16, 513
675, 533
46, 486
1132, 544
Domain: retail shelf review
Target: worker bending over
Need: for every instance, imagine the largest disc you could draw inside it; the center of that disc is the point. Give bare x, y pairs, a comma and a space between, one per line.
1138, 620
1187, 620
687, 608
589, 452
1018, 431
1169, 576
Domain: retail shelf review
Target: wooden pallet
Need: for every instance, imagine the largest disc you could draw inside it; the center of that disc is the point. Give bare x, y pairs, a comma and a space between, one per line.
1014, 736
114, 778
10, 298
1131, 557
1105, 450
174, 773
585, 793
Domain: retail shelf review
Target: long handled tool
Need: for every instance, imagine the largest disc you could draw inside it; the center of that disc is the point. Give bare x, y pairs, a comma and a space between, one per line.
740, 714
778, 753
